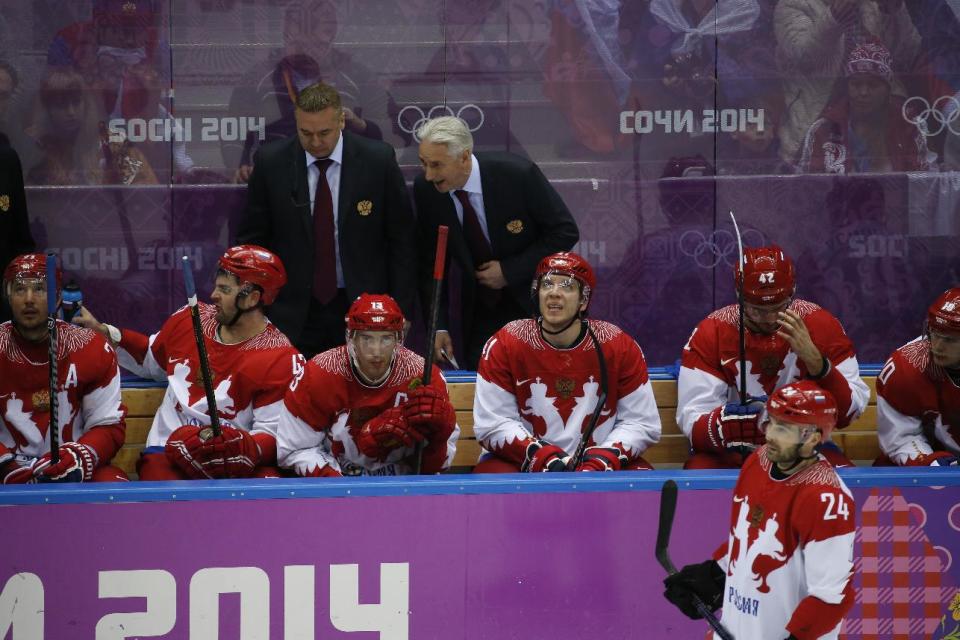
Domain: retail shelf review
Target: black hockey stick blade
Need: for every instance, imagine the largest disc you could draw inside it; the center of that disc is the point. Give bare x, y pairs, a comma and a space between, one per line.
668, 506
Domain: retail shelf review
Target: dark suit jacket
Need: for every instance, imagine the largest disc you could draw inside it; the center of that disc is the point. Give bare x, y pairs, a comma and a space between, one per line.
526, 219
15, 235
377, 249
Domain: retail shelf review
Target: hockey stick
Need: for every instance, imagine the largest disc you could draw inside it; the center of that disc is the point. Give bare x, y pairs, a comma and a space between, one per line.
743, 335
201, 348
577, 458
438, 263
54, 425
668, 506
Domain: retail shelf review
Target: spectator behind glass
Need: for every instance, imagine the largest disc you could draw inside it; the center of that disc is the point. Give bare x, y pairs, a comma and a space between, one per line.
815, 38
73, 141
864, 130
121, 57
752, 150
306, 57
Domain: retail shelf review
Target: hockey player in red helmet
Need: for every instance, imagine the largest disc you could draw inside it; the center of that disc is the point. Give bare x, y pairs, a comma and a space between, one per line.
540, 380
359, 409
789, 504
918, 392
787, 339
90, 417
251, 363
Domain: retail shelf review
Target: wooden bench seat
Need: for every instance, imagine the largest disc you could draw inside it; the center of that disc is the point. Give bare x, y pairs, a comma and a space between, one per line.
859, 440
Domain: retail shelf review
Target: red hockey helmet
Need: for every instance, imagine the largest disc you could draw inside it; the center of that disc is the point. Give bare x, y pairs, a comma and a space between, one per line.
569, 264
256, 265
374, 312
804, 402
767, 276
30, 265
943, 316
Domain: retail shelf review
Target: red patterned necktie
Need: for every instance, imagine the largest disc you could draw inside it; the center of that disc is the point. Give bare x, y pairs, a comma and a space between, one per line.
324, 252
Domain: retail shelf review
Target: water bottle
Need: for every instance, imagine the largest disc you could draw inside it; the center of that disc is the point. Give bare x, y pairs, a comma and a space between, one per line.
72, 300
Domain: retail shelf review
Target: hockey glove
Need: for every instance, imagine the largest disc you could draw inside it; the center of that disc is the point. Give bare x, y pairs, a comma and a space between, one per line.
736, 427
384, 434
233, 454
945, 461
602, 459
15, 473
429, 412
704, 580
77, 464
544, 457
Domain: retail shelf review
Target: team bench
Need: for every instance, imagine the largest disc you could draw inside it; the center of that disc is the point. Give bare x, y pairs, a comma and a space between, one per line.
859, 440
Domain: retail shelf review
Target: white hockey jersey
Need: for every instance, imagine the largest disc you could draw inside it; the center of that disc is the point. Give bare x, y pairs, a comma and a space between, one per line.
249, 377
918, 405
789, 556
325, 408
527, 388
89, 409
710, 371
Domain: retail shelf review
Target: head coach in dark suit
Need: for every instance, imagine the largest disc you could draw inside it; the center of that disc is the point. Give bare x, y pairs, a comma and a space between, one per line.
504, 217
350, 233
15, 237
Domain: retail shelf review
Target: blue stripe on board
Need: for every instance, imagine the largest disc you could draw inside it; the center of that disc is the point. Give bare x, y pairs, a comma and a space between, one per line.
453, 484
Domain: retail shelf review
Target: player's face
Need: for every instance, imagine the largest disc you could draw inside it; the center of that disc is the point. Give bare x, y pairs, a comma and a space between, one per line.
28, 301
446, 172
763, 318
374, 351
787, 441
945, 349
319, 131
560, 300
224, 297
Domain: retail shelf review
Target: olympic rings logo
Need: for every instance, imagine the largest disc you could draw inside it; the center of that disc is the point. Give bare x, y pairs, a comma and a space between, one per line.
412, 117
709, 250
944, 111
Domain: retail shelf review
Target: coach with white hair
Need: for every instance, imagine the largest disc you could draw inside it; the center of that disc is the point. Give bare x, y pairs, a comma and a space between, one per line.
504, 217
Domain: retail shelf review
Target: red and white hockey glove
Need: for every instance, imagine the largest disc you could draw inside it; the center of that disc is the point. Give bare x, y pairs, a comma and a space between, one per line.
12, 472
77, 464
544, 457
602, 459
429, 412
736, 427
233, 454
935, 459
389, 431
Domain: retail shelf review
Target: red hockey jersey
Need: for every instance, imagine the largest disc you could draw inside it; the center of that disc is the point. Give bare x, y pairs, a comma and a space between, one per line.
327, 405
916, 402
528, 388
88, 378
710, 368
249, 377
789, 556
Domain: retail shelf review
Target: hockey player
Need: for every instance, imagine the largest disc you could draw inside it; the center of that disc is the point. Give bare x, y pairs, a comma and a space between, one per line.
357, 409
918, 392
787, 339
90, 417
785, 571
540, 380
251, 363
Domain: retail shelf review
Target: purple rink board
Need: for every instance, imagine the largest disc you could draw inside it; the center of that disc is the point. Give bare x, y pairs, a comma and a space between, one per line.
446, 557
